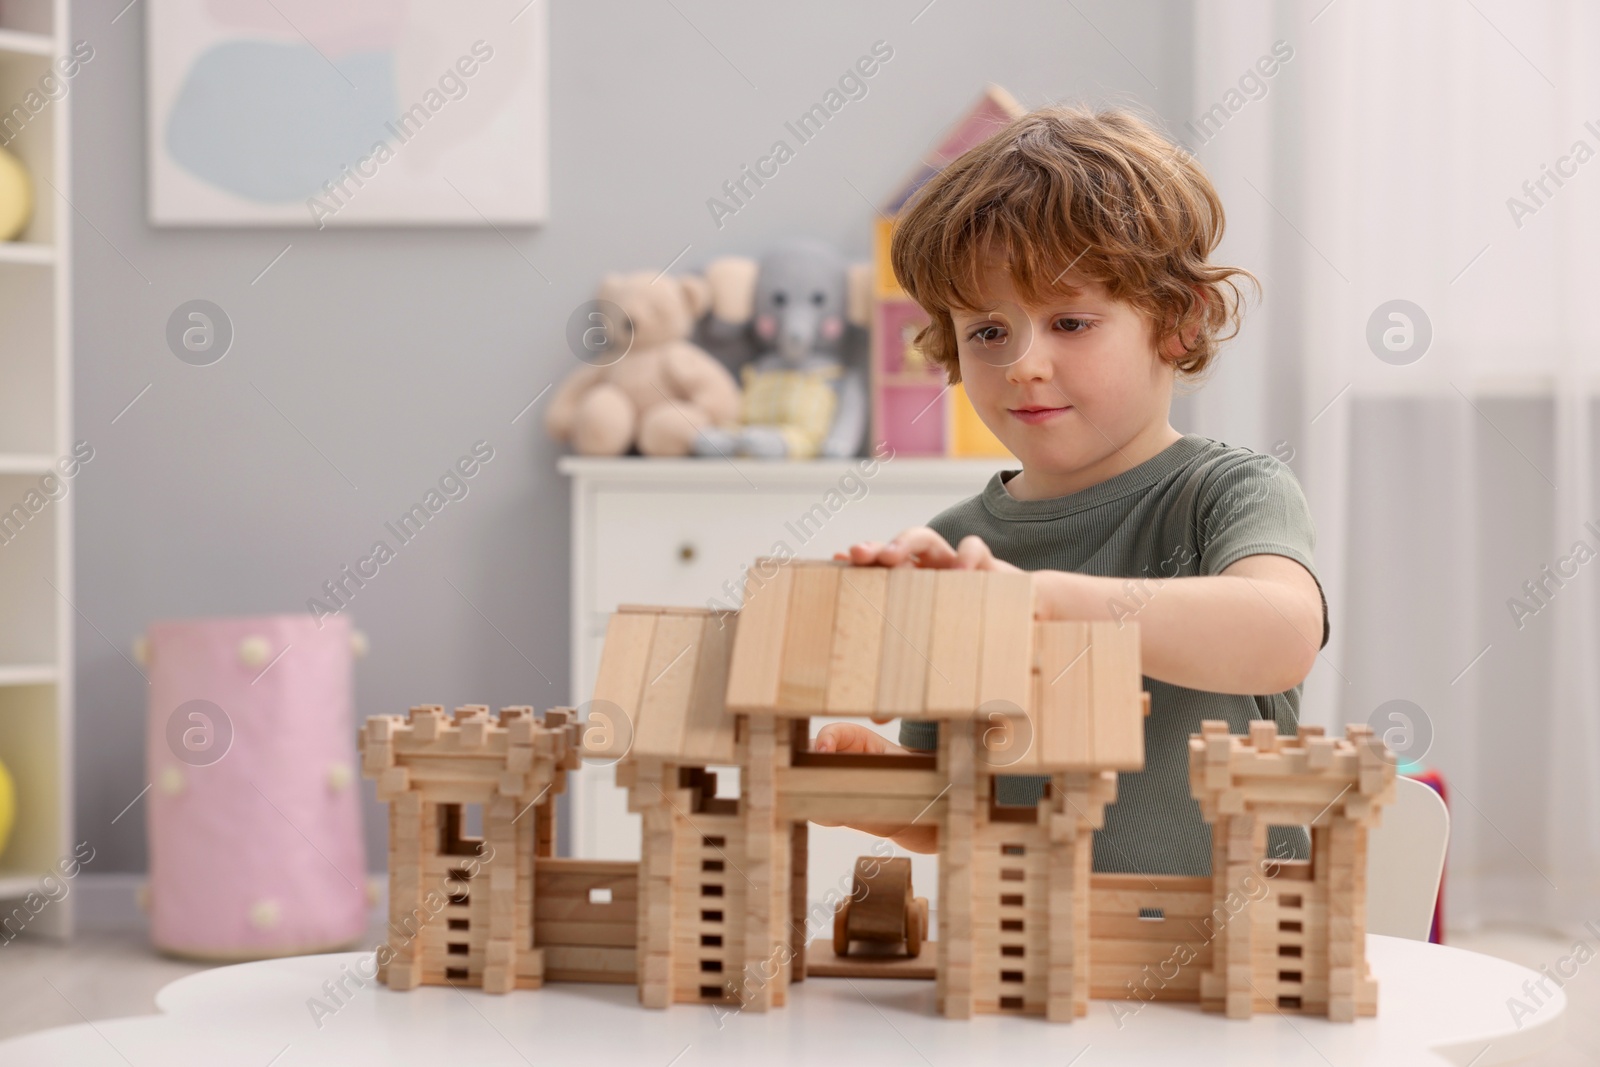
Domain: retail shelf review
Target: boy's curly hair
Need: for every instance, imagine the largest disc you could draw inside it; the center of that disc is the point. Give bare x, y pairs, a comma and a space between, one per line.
1100, 192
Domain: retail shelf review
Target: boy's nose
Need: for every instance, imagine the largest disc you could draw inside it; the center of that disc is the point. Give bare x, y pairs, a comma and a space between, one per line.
1032, 363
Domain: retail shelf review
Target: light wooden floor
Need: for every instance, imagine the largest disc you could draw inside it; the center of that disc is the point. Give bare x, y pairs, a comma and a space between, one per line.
105, 975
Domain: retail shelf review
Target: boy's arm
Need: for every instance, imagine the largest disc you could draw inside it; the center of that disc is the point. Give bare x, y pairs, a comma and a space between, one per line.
1255, 628
853, 737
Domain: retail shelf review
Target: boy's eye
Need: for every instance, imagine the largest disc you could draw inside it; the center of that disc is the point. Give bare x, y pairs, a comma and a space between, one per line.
988, 336
1071, 325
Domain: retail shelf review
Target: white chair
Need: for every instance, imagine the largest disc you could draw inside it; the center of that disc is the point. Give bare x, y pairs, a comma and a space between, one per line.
1405, 860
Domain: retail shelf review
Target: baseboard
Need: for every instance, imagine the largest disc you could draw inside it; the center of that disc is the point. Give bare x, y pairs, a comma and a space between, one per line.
108, 902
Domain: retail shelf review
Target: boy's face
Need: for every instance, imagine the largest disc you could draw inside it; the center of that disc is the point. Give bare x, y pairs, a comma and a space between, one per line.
1064, 385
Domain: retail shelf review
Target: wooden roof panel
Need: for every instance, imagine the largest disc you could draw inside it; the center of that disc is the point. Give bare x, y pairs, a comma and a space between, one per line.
955, 645
660, 727
1006, 658
857, 641
708, 725
1115, 698
754, 674
620, 682
819, 637
808, 639
908, 625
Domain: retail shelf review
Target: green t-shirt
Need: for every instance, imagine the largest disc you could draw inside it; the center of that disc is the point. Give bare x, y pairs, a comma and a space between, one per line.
1192, 509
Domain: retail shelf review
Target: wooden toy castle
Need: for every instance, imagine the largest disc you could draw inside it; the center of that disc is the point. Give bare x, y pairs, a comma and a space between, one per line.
715, 910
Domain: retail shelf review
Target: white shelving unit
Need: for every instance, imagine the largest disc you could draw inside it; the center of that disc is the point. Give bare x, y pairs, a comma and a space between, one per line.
35, 432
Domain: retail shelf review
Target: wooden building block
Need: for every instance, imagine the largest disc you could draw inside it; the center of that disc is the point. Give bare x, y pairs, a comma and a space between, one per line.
908, 626
1006, 664
377, 745
857, 641
669, 675
620, 682
709, 726
1118, 706
474, 732
1064, 718
755, 669
426, 721
808, 638
955, 644
1264, 735
799, 846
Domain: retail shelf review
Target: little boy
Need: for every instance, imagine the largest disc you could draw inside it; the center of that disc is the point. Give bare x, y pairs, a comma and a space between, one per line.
1063, 266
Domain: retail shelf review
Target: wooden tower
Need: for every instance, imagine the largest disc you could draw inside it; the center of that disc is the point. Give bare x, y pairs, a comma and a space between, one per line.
1300, 945
471, 805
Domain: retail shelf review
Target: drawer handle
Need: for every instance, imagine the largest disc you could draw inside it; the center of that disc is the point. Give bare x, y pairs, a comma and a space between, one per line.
686, 552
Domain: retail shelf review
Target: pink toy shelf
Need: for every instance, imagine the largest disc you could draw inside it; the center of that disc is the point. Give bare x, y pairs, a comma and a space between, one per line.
913, 410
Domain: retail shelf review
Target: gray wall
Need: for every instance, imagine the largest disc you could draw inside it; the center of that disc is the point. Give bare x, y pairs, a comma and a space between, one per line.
393, 350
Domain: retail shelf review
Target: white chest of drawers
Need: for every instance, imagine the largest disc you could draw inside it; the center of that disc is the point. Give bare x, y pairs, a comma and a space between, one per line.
654, 531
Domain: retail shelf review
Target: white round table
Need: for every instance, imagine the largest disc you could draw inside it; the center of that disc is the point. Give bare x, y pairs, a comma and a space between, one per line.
1437, 1005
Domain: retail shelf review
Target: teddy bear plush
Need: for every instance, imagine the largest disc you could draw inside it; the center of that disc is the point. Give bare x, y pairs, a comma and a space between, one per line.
647, 385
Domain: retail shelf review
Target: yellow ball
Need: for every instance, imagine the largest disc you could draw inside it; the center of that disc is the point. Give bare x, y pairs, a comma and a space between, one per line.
16, 196
8, 807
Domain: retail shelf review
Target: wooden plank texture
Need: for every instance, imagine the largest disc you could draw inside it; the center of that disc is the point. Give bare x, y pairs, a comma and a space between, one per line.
1118, 708
620, 682
908, 624
709, 725
753, 673
955, 644
668, 682
1006, 660
857, 641
1064, 726
808, 638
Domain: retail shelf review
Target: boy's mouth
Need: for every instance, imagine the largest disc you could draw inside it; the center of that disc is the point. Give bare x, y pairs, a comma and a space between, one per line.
1033, 415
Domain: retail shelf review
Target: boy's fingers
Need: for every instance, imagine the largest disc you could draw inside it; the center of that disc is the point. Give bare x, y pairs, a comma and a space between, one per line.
864, 553
920, 545
975, 554
847, 737
835, 737
971, 552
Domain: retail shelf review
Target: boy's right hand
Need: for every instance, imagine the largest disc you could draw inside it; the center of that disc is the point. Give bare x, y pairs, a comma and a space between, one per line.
851, 737
920, 546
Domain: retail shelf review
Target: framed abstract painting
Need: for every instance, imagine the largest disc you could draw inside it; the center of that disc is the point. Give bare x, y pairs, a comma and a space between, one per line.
364, 112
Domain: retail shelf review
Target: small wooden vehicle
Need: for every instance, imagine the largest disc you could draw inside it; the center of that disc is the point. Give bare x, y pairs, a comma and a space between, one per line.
881, 908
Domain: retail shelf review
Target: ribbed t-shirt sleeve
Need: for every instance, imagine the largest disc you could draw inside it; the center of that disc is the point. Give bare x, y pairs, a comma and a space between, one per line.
919, 734
1256, 507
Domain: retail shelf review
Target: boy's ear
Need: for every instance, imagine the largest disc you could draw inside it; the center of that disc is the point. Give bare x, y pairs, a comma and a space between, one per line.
1182, 338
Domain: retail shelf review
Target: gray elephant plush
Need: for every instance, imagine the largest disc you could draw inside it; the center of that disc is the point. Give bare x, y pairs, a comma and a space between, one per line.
803, 396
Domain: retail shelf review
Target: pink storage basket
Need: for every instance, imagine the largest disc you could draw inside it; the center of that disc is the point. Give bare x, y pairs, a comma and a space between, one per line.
254, 813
